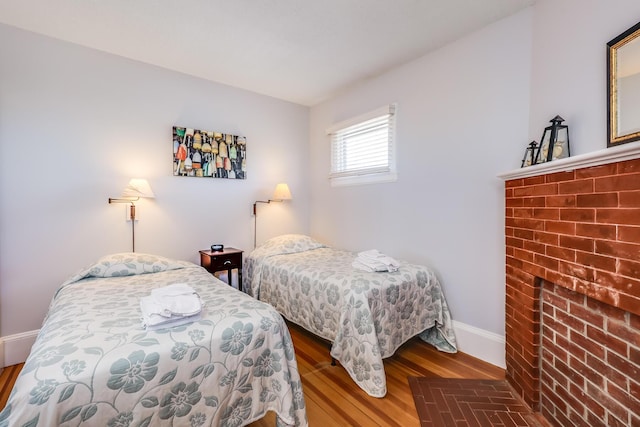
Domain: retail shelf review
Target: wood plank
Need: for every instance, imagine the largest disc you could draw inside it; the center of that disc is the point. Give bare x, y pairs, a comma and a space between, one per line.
7, 379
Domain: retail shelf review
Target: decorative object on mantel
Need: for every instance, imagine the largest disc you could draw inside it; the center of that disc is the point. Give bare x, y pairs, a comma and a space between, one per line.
529, 158
554, 143
208, 154
619, 153
623, 77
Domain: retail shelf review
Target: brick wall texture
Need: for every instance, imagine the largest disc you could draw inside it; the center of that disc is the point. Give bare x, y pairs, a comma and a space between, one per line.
579, 230
590, 371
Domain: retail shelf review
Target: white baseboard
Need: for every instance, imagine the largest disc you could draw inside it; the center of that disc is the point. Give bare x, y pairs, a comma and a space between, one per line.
484, 345
16, 348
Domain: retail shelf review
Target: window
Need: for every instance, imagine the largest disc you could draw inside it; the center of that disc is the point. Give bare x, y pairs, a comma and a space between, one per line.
363, 149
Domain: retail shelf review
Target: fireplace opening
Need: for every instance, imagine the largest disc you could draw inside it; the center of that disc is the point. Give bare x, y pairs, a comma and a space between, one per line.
589, 361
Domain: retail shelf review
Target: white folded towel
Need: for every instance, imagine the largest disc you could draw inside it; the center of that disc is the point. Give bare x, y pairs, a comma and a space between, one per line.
374, 261
177, 299
153, 322
170, 306
357, 264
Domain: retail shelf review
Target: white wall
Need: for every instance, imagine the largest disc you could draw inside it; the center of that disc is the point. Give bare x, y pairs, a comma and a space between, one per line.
463, 114
76, 124
569, 74
466, 113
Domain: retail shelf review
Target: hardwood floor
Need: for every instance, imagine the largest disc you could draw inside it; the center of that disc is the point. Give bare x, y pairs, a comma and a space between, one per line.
7, 378
333, 399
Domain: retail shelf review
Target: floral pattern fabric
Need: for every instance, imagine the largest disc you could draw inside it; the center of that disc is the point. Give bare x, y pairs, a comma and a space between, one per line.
366, 316
93, 364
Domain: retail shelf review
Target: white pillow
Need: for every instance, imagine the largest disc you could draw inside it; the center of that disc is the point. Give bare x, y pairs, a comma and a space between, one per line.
128, 264
291, 243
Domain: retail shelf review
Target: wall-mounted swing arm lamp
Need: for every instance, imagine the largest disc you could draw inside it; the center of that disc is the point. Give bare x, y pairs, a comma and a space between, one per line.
136, 189
280, 194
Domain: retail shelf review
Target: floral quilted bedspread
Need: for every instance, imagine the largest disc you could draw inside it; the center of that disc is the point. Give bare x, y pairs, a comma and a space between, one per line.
94, 364
366, 315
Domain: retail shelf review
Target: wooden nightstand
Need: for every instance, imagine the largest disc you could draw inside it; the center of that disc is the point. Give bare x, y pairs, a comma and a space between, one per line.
227, 259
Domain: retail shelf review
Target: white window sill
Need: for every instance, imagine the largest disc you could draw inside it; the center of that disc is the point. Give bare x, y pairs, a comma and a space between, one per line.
363, 179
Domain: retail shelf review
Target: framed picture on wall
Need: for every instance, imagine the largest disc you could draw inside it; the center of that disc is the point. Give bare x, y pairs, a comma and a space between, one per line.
208, 154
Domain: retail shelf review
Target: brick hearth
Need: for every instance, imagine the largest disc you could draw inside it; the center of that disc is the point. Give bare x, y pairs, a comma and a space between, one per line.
579, 231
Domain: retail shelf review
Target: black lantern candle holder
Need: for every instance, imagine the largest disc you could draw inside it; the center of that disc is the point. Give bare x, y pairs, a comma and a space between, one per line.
555, 142
529, 158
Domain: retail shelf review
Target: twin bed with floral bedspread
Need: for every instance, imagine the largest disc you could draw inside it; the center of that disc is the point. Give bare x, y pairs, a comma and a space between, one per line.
94, 364
366, 316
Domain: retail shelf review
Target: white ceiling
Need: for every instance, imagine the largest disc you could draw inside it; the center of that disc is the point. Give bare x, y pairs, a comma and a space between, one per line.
301, 51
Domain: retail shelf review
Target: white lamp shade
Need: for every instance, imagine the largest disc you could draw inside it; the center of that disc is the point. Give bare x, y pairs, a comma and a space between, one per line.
138, 188
282, 192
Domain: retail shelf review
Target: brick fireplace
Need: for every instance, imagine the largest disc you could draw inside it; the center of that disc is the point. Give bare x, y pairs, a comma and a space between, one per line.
573, 289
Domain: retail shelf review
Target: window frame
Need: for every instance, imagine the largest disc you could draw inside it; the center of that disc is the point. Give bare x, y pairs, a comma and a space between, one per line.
358, 177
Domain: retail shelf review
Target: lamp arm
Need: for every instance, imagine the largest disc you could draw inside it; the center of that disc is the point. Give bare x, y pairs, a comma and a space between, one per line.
132, 216
120, 200
255, 218
255, 224
259, 201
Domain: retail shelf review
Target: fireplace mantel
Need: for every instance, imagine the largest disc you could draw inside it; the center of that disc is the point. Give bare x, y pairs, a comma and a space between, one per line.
595, 158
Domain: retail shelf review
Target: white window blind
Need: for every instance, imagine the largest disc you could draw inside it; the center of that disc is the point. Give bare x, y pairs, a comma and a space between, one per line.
364, 147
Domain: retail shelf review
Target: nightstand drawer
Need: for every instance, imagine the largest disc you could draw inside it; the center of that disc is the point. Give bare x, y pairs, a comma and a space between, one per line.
223, 262
227, 259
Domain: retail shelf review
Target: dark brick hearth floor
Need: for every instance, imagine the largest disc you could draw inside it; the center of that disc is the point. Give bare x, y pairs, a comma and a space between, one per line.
447, 402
